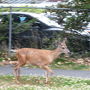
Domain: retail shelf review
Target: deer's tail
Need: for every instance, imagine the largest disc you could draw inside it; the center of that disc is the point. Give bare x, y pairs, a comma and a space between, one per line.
13, 50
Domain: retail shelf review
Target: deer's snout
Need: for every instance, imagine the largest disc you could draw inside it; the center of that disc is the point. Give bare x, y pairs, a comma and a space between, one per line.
67, 53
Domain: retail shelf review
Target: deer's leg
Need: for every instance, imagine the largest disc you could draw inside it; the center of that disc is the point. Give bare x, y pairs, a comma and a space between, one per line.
21, 59
17, 72
47, 73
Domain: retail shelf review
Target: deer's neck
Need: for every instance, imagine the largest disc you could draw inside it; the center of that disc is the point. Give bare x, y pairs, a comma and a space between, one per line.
56, 53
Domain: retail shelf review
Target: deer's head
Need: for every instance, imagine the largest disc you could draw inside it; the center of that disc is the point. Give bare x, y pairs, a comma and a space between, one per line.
63, 48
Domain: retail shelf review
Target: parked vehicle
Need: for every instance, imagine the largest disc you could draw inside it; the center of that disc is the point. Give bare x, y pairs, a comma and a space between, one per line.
28, 28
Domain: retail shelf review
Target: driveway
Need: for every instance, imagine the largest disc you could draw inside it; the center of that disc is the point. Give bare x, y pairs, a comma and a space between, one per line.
8, 70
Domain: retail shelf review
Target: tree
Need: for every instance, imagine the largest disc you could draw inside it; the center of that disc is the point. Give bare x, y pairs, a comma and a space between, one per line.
75, 20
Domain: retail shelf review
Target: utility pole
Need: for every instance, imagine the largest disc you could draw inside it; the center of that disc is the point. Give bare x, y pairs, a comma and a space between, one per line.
10, 32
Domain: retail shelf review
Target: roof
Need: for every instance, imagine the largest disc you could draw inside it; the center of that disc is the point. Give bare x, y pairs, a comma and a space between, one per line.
40, 17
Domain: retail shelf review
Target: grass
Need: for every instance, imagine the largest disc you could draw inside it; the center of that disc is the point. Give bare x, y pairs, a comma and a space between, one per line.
55, 83
38, 83
68, 65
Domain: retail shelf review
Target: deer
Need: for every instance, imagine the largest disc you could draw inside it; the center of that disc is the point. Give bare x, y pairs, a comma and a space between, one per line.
39, 57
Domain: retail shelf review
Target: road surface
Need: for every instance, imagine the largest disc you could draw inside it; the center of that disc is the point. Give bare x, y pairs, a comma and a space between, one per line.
8, 70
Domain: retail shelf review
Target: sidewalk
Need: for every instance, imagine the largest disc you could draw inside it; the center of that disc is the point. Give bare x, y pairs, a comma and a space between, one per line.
8, 70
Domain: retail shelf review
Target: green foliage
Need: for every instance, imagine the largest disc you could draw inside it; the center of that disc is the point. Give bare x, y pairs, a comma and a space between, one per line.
87, 54
77, 22
74, 22
65, 63
3, 56
1, 59
78, 44
21, 27
3, 31
85, 4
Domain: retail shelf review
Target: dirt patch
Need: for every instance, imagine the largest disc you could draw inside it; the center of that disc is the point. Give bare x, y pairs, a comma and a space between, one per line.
84, 61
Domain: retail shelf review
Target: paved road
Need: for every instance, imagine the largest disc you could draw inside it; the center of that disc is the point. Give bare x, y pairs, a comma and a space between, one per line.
8, 70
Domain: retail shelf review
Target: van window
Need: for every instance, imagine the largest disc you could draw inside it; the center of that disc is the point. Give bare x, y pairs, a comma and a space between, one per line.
20, 18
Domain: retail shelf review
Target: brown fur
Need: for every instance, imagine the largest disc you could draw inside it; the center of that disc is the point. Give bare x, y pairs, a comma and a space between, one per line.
38, 57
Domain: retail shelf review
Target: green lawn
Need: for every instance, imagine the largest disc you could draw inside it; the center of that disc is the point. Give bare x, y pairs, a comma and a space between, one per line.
38, 83
68, 65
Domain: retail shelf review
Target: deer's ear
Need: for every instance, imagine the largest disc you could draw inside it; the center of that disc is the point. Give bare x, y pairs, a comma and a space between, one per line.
59, 44
65, 39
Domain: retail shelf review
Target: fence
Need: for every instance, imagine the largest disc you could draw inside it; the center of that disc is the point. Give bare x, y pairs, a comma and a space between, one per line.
21, 1
66, 13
